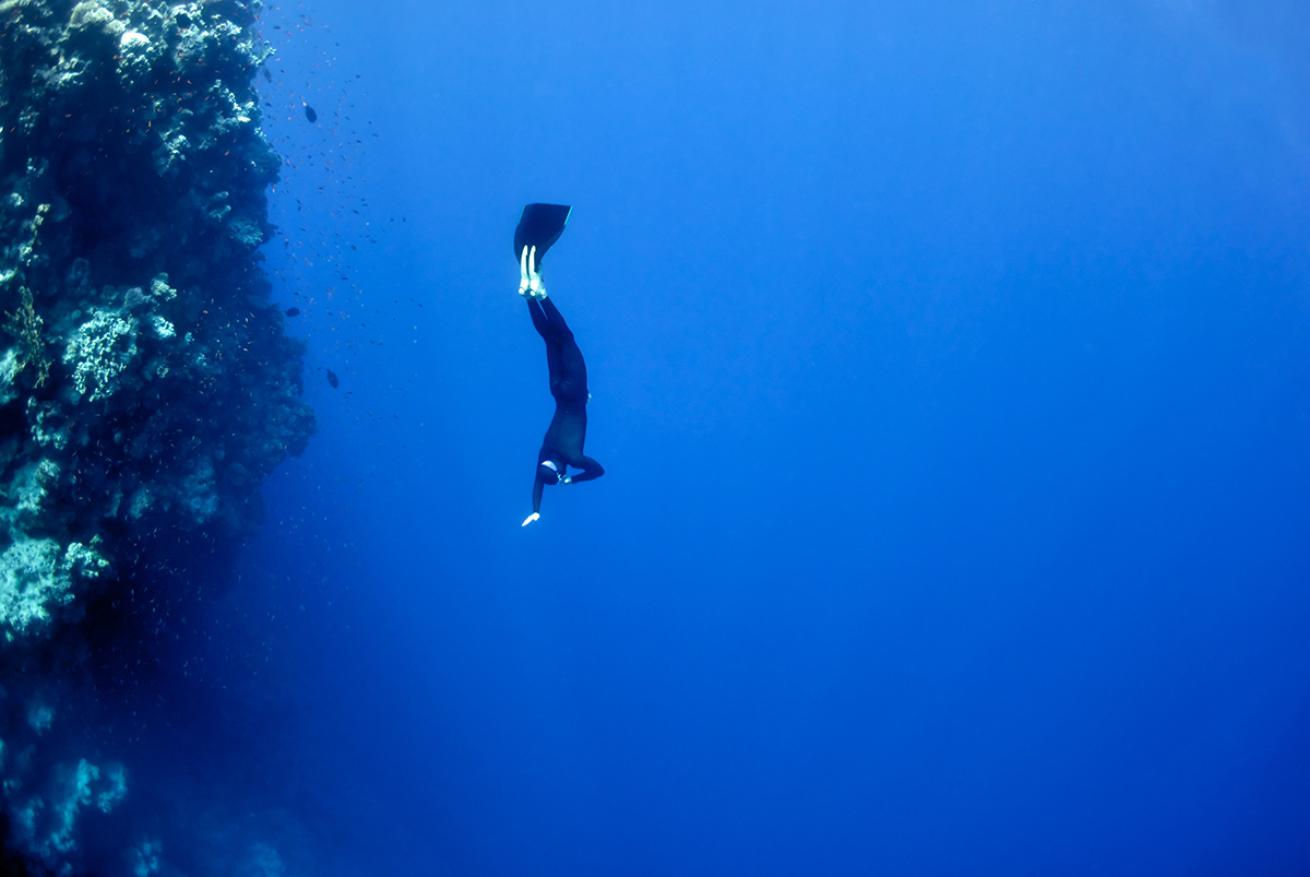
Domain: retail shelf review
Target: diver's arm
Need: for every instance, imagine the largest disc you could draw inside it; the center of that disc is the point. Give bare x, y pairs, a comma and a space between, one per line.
537, 486
591, 470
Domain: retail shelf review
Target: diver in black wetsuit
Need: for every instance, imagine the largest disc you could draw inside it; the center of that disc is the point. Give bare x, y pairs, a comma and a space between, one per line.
562, 445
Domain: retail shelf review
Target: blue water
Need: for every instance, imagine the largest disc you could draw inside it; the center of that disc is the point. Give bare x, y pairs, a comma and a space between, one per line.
951, 369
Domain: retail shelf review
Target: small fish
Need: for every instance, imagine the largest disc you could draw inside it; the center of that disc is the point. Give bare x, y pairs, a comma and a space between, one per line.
333, 380
292, 312
310, 114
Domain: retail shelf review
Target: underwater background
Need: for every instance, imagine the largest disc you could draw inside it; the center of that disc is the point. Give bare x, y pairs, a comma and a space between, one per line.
950, 368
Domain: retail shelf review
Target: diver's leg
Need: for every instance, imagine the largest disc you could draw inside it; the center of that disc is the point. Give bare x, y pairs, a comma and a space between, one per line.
557, 323
572, 368
542, 324
540, 321
567, 362
591, 469
554, 366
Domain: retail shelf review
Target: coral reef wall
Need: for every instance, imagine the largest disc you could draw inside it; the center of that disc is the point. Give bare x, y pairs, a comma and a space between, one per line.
147, 385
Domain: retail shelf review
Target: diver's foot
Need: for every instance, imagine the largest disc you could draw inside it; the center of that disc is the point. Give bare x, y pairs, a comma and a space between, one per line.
530, 283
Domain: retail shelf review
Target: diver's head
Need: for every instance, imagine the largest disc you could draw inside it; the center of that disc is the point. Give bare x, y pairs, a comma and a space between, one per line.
550, 471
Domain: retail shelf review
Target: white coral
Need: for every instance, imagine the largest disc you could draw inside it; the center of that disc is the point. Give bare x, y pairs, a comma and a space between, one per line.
9, 369
31, 487
85, 561
37, 578
100, 351
31, 583
163, 328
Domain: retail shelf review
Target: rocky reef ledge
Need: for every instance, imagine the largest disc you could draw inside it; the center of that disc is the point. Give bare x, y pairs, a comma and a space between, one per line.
147, 385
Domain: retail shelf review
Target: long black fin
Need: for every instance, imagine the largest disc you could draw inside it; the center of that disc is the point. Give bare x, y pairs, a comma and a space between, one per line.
540, 226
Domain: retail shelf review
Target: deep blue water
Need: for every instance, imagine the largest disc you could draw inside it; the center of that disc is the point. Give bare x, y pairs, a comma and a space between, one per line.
951, 369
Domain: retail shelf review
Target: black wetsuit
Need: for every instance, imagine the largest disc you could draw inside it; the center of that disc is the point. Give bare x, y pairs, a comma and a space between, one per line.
568, 384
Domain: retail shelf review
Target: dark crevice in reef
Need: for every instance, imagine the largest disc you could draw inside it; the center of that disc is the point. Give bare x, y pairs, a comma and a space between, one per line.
147, 387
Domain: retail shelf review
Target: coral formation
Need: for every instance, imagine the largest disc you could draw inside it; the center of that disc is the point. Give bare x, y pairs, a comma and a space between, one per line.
100, 351
146, 383
45, 821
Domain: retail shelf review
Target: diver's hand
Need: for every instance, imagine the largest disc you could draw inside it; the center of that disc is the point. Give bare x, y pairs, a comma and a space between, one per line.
530, 519
530, 282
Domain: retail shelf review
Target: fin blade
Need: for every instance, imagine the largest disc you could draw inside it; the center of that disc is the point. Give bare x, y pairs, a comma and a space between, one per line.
540, 226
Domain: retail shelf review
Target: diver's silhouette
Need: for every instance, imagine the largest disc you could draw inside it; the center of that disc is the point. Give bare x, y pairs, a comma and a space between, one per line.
561, 447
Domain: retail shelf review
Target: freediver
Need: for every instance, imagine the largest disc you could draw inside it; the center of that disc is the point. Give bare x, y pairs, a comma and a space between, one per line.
561, 447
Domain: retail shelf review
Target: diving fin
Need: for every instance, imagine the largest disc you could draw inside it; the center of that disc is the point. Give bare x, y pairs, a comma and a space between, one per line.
540, 226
